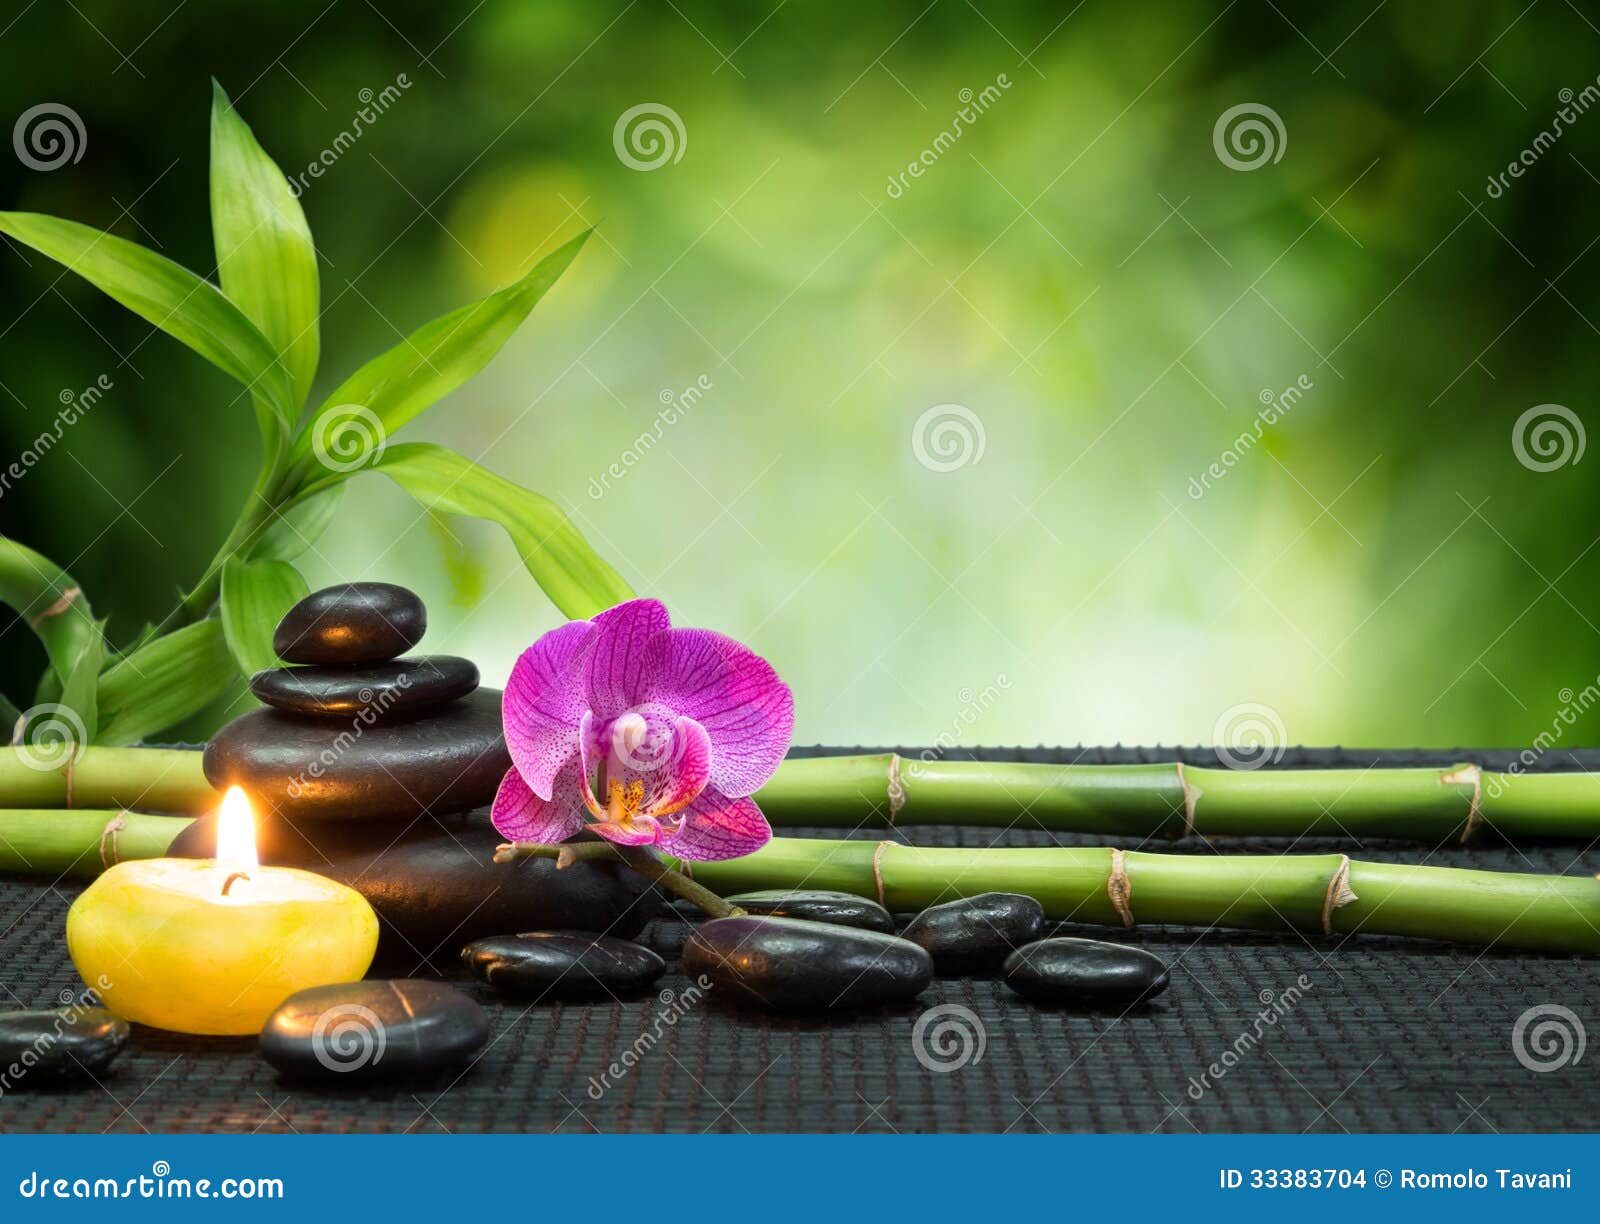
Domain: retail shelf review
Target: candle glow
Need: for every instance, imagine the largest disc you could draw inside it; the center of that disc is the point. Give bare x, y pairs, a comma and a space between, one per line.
236, 834
214, 945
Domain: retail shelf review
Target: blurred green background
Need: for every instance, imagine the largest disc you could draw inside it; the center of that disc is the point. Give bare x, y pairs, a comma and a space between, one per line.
1081, 271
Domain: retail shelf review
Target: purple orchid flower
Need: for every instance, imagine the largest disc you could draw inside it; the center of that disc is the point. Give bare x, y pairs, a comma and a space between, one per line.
660, 734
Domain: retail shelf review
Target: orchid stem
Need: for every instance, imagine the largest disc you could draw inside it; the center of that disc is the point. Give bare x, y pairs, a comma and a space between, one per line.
639, 858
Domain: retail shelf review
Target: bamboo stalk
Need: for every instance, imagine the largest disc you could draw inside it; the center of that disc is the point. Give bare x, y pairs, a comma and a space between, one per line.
1324, 894
1448, 803
1316, 895
1435, 804
81, 843
156, 779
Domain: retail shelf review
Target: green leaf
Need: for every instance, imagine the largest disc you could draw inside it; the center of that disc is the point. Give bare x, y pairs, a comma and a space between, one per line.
173, 298
45, 596
265, 257
438, 358
255, 595
163, 682
82, 686
297, 526
559, 558
10, 716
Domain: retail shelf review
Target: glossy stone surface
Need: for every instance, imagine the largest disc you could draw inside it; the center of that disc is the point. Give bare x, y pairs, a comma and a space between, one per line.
1085, 972
788, 964
42, 1048
435, 885
447, 760
553, 966
976, 934
385, 690
817, 905
354, 1031
355, 622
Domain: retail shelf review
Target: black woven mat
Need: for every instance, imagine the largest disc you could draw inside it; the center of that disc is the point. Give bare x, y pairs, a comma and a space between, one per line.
1386, 1035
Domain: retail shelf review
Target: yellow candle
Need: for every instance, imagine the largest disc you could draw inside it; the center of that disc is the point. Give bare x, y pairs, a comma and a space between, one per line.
214, 945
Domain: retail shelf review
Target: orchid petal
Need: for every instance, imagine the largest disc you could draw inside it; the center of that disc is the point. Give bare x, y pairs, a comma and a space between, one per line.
543, 703
591, 751
522, 816
730, 691
717, 826
614, 670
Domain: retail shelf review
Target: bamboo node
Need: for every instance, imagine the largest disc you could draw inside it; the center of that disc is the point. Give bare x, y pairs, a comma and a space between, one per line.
1191, 800
1339, 893
108, 840
1119, 888
877, 869
897, 788
1474, 775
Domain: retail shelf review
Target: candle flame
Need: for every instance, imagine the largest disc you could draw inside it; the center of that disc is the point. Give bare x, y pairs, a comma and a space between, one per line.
236, 833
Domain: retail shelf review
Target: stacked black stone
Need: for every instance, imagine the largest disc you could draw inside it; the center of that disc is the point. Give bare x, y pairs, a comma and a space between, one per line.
351, 731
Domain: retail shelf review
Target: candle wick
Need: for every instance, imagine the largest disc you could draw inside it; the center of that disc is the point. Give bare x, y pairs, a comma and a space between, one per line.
228, 883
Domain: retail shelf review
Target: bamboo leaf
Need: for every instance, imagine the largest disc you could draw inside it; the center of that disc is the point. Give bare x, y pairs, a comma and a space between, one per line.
255, 595
10, 716
436, 359
79, 693
164, 682
265, 257
173, 298
299, 525
559, 558
54, 607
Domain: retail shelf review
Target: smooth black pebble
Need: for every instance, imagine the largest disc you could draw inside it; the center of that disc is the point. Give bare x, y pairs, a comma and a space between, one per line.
354, 1031
976, 934
43, 1048
356, 622
789, 964
1085, 972
401, 686
560, 965
449, 760
817, 905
